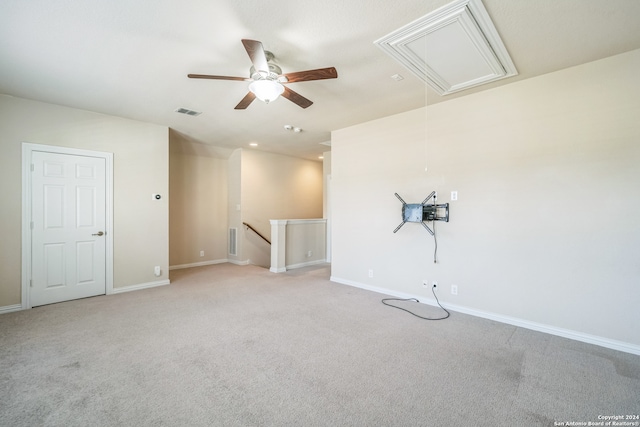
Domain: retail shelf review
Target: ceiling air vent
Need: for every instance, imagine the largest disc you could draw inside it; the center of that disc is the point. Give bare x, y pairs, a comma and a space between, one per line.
188, 112
451, 49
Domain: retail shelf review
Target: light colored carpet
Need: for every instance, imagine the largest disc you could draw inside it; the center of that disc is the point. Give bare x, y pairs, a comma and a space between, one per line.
228, 345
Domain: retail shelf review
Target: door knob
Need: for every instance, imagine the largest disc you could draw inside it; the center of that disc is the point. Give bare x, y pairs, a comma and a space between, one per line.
99, 233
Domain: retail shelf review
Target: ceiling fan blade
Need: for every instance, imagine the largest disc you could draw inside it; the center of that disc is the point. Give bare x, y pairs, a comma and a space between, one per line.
248, 99
296, 98
256, 53
305, 76
207, 76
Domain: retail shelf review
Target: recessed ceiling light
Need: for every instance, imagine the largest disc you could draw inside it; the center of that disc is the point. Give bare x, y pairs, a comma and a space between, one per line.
253, 144
321, 157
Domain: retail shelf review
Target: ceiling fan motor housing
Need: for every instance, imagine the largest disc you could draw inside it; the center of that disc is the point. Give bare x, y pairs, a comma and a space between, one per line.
274, 73
267, 82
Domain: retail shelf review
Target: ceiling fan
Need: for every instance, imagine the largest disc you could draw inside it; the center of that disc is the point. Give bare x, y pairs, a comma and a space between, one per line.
267, 79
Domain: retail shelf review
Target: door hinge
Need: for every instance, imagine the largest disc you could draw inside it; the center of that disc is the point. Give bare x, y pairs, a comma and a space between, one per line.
32, 167
30, 283
31, 225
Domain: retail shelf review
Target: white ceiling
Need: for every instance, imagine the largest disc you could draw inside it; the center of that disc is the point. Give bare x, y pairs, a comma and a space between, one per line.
131, 58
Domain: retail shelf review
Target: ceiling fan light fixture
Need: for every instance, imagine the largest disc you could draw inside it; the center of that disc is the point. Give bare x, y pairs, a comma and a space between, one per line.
266, 78
266, 90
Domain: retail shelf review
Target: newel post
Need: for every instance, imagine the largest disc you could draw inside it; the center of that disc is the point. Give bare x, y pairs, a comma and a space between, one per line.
278, 245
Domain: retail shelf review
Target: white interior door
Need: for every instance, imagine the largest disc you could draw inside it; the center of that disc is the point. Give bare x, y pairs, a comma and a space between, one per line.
68, 222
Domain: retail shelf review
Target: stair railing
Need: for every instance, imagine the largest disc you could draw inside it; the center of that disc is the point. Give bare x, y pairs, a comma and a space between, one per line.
249, 227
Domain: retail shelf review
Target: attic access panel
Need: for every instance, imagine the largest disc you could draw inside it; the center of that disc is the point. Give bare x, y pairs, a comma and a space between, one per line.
451, 49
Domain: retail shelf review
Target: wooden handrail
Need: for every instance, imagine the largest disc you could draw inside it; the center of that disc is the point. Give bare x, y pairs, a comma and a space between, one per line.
256, 231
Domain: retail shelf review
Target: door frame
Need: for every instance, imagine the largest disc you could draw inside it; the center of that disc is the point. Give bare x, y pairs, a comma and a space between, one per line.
27, 150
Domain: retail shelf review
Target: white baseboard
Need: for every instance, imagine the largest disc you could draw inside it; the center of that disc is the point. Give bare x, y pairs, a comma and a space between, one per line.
198, 264
305, 264
10, 308
140, 286
236, 262
17, 307
548, 329
294, 266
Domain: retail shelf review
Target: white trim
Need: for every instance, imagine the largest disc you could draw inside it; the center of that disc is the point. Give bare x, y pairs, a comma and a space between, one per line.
297, 221
294, 266
305, 264
522, 323
329, 217
197, 264
470, 20
27, 149
140, 286
237, 262
305, 221
26, 226
11, 308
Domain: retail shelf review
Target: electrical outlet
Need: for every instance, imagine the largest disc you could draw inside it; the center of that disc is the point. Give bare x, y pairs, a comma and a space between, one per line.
454, 289
201, 253
370, 273
434, 284
156, 270
454, 195
309, 254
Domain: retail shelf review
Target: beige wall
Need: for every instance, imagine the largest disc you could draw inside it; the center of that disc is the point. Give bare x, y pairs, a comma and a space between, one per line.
210, 195
546, 227
326, 201
140, 170
276, 187
198, 214
326, 176
305, 242
234, 201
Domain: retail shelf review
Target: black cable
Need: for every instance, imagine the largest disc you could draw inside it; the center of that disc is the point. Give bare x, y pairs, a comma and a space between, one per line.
435, 241
384, 301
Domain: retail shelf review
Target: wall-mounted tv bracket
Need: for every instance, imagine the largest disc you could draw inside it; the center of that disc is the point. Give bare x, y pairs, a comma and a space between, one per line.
422, 212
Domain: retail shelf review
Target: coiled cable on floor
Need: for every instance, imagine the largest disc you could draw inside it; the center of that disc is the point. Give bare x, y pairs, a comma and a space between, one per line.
384, 301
